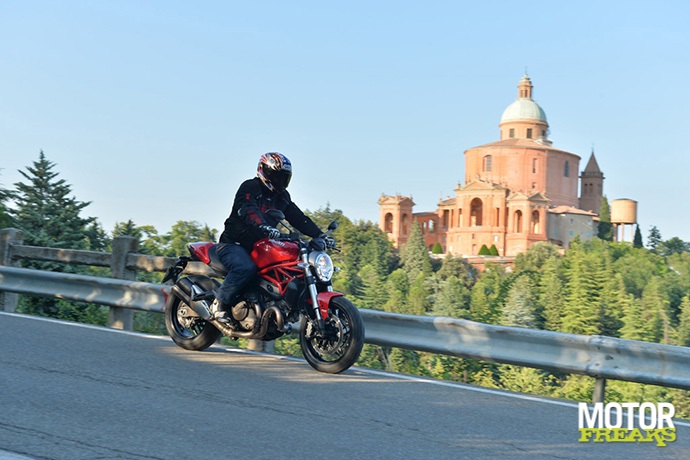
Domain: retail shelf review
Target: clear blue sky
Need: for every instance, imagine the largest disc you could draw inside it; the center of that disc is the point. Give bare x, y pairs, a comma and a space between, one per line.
155, 111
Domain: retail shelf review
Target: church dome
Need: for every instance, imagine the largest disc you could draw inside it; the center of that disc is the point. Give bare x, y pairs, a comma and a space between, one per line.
523, 109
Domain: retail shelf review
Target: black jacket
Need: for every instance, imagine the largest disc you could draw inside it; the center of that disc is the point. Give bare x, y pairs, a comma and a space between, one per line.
252, 200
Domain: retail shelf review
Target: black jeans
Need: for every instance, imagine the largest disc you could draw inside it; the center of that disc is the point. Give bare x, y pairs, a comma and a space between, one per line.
241, 269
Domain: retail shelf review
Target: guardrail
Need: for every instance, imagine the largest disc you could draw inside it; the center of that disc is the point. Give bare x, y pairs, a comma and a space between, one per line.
595, 356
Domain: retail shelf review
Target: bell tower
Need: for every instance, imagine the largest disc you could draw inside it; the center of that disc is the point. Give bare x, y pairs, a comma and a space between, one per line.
395, 217
591, 186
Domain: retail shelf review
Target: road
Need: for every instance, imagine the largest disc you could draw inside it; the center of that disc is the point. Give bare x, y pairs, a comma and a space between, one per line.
71, 391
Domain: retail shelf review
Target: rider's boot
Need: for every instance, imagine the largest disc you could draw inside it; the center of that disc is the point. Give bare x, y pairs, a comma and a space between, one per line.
219, 312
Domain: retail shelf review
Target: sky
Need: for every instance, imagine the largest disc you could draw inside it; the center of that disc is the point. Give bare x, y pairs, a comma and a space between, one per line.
156, 111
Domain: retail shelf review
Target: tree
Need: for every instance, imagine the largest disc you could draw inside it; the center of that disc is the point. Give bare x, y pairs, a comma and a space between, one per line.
484, 251
605, 231
5, 219
45, 212
683, 331
451, 298
48, 216
654, 238
183, 233
437, 248
551, 293
637, 241
673, 246
520, 306
414, 255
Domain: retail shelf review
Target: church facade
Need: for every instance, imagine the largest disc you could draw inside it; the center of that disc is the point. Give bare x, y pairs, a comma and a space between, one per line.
517, 191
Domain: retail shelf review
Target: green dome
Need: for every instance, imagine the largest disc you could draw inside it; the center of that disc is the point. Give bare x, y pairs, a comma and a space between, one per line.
523, 109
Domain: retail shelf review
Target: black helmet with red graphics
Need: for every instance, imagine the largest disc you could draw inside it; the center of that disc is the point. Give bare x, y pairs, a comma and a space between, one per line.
275, 171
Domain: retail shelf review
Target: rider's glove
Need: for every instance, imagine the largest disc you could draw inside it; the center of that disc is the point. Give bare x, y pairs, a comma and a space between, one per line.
330, 241
270, 232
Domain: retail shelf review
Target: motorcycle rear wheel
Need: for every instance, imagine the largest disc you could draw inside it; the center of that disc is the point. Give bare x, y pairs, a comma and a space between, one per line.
338, 350
190, 334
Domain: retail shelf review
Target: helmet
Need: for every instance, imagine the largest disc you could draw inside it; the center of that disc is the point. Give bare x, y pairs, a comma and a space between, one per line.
275, 171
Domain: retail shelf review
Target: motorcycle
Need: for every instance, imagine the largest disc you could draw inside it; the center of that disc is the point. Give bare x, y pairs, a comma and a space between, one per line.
292, 286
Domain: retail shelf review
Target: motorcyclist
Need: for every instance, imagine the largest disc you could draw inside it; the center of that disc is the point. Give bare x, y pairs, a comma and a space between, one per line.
248, 223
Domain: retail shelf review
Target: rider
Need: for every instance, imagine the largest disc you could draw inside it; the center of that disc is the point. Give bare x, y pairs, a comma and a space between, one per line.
249, 223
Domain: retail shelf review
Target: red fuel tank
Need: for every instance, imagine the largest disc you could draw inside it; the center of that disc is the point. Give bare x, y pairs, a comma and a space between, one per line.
270, 252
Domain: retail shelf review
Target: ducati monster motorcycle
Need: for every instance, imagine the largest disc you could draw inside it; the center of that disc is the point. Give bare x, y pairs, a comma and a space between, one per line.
292, 287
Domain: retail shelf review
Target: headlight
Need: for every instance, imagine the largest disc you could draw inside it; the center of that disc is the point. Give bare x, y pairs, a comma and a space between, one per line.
323, 265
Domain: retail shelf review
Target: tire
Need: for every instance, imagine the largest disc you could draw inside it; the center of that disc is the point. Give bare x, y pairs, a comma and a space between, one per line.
195, 333
343, 342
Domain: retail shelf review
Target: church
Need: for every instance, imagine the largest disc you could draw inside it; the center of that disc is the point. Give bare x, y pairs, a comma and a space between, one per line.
518, 191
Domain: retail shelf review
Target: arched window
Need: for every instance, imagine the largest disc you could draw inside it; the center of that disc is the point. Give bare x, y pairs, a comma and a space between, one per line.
535, 221
476, 211
388, 223
405, 224
566, 169
431, 226
517, 222
488, 161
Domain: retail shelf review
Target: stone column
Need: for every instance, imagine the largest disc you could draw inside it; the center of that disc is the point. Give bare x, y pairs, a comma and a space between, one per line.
9, 237
122, 318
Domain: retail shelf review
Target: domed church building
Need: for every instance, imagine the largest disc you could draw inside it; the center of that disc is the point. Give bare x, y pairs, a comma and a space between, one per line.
517, 191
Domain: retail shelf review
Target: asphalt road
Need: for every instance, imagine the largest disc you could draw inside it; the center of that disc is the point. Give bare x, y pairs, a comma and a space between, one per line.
74, 392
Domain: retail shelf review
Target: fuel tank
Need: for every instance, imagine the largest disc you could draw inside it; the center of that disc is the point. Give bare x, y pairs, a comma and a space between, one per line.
270, 252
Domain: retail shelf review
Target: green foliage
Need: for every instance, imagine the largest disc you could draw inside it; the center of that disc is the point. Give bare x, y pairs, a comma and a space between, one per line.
605, 231
437, 248
654, 238
493, 250
484, 251
520, 305
414, 255
44, 210
637, 240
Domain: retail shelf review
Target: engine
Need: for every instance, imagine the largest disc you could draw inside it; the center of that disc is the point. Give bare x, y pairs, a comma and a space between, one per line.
243, 312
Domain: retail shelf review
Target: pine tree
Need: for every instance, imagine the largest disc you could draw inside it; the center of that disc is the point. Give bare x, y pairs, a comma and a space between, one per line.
451, 298
582, 305
45, 212
414, 255
654, 238
49, 217
485, 303
5, 219
520, 306
551, 293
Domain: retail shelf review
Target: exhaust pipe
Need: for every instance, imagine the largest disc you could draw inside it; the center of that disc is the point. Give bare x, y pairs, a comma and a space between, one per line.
200, 308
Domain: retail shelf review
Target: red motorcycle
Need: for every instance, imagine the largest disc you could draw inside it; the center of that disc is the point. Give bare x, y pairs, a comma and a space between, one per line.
293, 285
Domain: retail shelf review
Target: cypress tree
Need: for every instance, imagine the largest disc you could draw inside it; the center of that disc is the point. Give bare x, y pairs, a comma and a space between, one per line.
637, 241
605, 228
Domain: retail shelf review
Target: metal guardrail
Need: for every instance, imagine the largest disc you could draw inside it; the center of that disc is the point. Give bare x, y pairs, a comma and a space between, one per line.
596, 356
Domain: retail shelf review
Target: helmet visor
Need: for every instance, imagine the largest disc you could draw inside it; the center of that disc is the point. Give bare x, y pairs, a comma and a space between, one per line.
279, 179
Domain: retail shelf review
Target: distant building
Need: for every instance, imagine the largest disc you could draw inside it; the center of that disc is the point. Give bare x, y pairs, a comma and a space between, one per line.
518, 191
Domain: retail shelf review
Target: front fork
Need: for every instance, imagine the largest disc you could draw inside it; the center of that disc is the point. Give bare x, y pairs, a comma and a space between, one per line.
313, 293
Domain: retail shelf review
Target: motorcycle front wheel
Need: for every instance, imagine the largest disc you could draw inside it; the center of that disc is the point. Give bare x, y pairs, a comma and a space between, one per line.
339, 347
188, 332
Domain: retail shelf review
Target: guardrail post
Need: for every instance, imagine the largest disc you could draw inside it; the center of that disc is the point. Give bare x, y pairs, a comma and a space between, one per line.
8, 237
599, 390
122, 318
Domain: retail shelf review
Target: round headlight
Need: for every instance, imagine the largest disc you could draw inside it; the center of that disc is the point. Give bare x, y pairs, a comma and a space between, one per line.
323, 265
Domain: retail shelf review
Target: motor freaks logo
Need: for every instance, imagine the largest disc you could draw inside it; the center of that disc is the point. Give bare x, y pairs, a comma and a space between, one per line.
627, 422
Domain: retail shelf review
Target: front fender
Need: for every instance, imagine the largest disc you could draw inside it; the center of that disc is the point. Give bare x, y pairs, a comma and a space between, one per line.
324, 300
